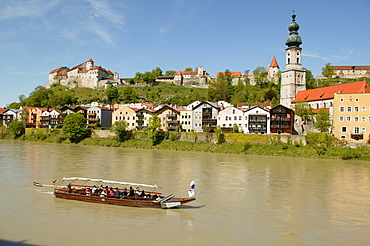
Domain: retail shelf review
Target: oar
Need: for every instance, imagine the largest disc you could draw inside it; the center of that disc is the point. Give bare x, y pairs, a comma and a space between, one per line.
45, 185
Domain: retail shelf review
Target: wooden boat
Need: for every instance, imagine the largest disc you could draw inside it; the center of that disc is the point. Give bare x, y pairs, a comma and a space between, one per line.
81, 189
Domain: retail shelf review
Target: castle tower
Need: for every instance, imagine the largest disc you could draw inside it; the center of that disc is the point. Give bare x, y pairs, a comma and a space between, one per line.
293, 78
273, 71
89, 64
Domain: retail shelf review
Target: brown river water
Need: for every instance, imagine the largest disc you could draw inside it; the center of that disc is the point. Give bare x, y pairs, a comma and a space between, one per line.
241, 199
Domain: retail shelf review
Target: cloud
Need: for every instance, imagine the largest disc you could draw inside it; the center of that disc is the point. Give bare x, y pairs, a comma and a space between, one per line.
102, 8
341, 56
31, 8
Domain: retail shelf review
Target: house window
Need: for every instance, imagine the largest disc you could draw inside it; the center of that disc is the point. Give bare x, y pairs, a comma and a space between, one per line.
356, 118
342, 99
363, 118
348, 118
343, 137
344, 129
356, 100
341, 118
357, 130
363, 109
356, 109
349, 109
341, 109
363, 129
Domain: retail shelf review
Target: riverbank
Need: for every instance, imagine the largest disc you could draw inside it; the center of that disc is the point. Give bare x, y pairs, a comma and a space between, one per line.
318, 145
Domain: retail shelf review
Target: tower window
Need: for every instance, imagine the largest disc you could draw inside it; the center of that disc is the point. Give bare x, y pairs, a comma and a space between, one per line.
297, 60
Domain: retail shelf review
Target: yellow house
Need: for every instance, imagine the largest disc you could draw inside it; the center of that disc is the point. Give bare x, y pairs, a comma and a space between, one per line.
127, 114
351, 117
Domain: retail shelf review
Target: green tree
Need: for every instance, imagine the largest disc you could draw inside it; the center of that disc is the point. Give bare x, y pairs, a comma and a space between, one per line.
129, 94
218, 90
155, 134
157, 72
310, 80
188, 69
220, 136
235, 128
112, 94
121, 131
170, 72
74, 126
16, 128
260, 75
328, 70
323, 121
303, 110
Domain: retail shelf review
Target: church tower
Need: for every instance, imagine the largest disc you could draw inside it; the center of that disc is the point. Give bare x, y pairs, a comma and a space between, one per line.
293, 78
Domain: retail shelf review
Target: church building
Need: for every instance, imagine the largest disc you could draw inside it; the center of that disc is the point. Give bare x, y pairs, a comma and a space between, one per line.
293, 78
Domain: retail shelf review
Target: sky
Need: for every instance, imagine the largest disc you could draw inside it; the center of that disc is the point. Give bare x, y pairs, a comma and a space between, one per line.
129, 36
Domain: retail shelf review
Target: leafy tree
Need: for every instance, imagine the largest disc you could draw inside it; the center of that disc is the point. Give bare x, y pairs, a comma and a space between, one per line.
74, 126
112, 94
218, 90
270, 94
220, 136
157, 72
188, 69
260, 75
16, 128
170, 72
121, 131
310, 80
235, 128
155, 134
323, 121
129, 94
328, 70
303, 110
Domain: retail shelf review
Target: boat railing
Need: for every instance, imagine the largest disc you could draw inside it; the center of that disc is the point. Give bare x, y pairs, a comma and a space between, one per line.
81, 190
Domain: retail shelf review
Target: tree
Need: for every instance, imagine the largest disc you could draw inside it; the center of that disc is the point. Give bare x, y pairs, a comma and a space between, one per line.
121, 131
112, 94
129, 94
155, 134
170, 72
323, 121
310, 80
16, 128
74, 126
303, 110
260, 75
328, 70
218, 90
188, 69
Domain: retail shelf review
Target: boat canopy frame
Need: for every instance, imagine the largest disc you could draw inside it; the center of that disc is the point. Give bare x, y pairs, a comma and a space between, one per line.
111, 182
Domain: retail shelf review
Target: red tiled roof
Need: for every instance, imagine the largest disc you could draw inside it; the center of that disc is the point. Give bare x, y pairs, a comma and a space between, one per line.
274, 63
238, 74
328, 92
62, 73
90, 60
2, 110
186, 73
315, 111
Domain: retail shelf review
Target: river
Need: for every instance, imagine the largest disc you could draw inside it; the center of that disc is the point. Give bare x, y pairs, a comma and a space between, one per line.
241, 199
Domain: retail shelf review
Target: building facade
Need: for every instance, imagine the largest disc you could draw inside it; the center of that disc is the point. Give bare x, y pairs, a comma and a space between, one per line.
351, 117
257, 121
282, 120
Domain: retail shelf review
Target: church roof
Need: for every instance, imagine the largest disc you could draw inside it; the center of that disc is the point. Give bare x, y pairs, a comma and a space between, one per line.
328, 92
274, 63
237, 74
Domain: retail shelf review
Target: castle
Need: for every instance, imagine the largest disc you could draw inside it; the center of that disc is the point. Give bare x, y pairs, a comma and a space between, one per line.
83, 75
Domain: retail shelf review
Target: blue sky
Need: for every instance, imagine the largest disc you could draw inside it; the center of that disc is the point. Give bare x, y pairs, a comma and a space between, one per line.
129, 36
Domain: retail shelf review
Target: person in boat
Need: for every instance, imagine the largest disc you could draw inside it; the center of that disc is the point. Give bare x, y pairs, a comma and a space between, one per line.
142, 194
117, 193
124, 193
132, 192
93, 190
111, 192
103, 193
88, 192
69, 187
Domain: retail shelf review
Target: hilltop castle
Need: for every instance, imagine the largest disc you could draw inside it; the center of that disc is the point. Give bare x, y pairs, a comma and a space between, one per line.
83, 75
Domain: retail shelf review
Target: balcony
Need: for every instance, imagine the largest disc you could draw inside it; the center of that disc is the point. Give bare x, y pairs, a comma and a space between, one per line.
280, 119
140, 121
257, 120
206, 114
171, 115
171, 128
357, 136
209, 120
279, 111
92, 119
257, 128
172, 121
280, 127
91, 114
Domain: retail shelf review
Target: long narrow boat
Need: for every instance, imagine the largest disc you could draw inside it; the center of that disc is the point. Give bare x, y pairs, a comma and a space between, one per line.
98, 191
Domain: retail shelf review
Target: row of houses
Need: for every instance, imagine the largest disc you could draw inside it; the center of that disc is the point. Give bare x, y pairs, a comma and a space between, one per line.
348, 106
197, 117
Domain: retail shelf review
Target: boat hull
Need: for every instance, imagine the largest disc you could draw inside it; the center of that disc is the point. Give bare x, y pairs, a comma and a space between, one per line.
173, 202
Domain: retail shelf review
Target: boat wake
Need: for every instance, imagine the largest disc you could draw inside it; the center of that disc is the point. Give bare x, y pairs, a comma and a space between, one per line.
46, 192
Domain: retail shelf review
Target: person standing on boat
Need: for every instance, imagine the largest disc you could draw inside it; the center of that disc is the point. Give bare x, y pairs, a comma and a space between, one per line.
132, 192
69, 187
124, 193
94, 190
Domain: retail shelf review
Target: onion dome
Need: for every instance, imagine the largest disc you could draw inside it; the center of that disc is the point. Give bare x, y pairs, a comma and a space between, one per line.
293, 40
